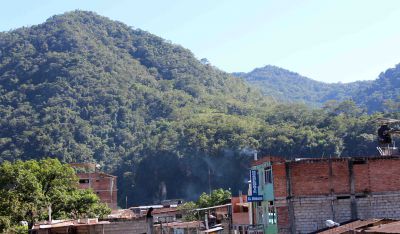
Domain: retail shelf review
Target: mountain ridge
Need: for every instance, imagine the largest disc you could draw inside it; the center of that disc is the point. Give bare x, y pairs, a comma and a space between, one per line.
83, 88
292, 87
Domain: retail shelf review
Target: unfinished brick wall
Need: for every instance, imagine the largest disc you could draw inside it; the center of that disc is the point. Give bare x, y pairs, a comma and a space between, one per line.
240, 214
379, 206
311, 213
384, 175
309, 178
340, 177
279, 178
336, 189
283, 219
104, 185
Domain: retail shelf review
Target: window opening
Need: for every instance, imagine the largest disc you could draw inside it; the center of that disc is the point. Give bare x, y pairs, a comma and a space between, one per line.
268, 175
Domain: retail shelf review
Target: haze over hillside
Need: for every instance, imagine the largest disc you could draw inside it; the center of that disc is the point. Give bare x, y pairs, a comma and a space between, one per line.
289, 86
83, 88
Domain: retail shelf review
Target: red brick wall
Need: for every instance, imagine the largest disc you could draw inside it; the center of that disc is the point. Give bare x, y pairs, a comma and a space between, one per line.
283, 217
107, 196
101, 184
99, 181
235, 200
377, 175
340, 177
384, 175
362, 177
279, 174
310, 178
313, 179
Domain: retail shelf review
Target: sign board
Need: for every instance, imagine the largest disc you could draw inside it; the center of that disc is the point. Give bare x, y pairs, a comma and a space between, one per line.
254, 182
254, 198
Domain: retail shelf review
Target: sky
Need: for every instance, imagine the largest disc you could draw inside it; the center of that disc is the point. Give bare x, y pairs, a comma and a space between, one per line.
330, 41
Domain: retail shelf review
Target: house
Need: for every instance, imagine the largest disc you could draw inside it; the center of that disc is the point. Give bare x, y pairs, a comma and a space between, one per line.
104, 185
261, 195
299, 196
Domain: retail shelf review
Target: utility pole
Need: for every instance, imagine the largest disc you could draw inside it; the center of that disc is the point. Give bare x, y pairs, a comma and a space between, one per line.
209, 179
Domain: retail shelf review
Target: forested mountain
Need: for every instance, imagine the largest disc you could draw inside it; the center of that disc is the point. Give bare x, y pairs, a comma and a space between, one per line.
291, 87
81, 87
383, 93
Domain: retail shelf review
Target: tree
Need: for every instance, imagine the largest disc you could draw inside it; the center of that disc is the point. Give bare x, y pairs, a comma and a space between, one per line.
188, 210
217, 197
82, 203
28, 188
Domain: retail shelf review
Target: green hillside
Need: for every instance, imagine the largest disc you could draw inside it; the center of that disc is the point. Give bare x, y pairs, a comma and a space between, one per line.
291, 87
383, 93
83, 88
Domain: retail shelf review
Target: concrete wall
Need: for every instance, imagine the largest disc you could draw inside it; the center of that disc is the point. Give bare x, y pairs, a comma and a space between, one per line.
379, 206
310, 213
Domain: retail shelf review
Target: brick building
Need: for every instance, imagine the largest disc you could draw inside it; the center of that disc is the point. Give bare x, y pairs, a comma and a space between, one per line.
304, 193
240, 213
263, 211
104, 185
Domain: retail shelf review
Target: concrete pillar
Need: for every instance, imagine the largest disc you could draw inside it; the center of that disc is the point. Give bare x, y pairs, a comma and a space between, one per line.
353, 202
289, 198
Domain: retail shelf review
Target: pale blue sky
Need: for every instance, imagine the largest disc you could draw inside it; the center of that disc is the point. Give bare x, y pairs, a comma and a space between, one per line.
331, 41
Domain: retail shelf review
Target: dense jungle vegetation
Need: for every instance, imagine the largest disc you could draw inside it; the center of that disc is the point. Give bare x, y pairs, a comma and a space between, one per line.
83, 88
283, 85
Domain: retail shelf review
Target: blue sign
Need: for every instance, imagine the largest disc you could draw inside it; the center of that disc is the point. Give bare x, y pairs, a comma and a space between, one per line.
254, 182
254, 198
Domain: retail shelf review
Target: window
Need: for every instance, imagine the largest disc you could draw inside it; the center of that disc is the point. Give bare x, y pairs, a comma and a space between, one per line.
271, 214
268, 175
84, 181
